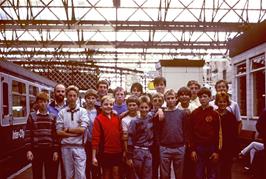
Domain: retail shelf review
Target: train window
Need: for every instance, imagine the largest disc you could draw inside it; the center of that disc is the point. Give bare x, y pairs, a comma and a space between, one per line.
19, 108
18, 87
45, 90
33, 91
5, 99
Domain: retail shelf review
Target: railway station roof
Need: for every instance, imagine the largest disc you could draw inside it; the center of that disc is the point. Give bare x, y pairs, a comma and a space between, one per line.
122, 33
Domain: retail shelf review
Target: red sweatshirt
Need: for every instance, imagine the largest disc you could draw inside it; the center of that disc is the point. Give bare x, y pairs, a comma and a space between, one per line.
204, 128
112, 133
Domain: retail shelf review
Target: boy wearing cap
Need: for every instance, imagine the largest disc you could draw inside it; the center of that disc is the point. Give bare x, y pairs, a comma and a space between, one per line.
90, 98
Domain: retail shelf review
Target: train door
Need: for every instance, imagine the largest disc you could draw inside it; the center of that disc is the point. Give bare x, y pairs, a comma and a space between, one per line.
6, 116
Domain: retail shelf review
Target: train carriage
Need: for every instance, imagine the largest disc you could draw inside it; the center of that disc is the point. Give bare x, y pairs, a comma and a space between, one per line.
18, 90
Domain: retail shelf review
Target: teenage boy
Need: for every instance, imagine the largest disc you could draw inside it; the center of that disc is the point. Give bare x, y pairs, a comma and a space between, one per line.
140, 140
194, 87
136, 89
90, 101
120, 105
41, 140
184, 96
157, 102
172, 138
204, 137
132, 105
106, 140
159, 84
102, 90
71, 124
222, 86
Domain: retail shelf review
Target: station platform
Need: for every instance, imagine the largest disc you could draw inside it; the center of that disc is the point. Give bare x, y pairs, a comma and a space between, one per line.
238, 172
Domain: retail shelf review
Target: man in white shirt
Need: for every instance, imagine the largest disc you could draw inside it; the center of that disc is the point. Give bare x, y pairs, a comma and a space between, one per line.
71, 124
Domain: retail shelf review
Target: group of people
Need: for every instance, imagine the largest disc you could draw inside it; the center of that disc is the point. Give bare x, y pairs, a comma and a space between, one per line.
138, 137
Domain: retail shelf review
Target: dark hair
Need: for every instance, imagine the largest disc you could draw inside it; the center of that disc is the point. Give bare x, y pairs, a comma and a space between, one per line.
193, 82
145, 99
204, 90
158, 80
132, 99
91, 92
222, 95
221, 81
184, 90
119, 89
102, 82
58, 85
42, 96
138, 86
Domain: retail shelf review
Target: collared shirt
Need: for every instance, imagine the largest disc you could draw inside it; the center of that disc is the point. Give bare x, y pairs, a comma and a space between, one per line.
195, 102
74, 118
54, 108
191, 107
233, 108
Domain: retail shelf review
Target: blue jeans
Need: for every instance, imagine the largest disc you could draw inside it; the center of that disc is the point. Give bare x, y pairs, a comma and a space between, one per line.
169, 155
142, 160
204, 163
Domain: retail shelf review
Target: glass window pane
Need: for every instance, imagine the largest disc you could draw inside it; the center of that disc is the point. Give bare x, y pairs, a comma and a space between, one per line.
258, 61
33, 90
19, 106
5, 99
241, 96
18, 87
258, 92
33, 106
241, 69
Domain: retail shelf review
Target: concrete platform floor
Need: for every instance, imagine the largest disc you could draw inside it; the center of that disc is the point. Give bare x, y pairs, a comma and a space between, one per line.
238, 172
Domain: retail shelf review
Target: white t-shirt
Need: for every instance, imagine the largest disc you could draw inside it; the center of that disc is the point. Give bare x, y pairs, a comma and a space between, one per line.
126, 121
191, 107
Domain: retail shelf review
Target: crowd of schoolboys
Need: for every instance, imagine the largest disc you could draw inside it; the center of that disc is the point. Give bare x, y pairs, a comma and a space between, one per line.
134, 137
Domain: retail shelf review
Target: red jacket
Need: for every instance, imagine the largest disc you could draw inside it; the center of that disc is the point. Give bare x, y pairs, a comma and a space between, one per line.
111, 133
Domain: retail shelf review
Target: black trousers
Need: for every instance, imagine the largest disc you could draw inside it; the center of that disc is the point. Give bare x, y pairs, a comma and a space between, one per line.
44, 157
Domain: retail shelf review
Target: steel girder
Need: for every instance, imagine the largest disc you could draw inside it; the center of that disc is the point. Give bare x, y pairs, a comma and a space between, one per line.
31, 28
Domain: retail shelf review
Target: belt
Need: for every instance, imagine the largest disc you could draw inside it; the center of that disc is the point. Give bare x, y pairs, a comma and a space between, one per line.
144, 148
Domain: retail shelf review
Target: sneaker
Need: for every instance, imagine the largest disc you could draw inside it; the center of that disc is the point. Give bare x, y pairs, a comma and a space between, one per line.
247, 168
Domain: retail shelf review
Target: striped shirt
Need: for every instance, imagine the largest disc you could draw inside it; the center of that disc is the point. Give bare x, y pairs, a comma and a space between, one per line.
41, 131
